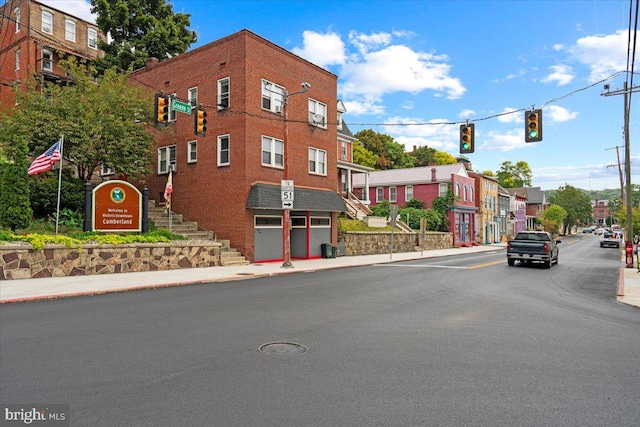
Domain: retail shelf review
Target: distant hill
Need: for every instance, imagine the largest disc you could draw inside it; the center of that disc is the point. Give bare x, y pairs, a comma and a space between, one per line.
608, 194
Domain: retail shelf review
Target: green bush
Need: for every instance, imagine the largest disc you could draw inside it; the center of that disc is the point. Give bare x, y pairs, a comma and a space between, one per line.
382, 209
44, 194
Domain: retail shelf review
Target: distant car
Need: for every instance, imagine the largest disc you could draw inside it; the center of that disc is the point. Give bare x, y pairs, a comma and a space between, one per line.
609, 239
598, 231
587, 230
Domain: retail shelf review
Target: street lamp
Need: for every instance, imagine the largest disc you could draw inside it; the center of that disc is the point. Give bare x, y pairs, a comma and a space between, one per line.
286, 214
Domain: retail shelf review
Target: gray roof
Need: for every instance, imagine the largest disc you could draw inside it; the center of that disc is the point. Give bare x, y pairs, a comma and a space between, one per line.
419, 175
535, 195
268, 196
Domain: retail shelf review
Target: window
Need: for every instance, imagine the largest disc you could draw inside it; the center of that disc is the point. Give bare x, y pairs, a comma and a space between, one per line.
317, 161
298, 222
223, 150
268, 221
223, 93
172, 112
408, 193
472, 195
272, 96
379, 194
105, 169
320, 222
47, 22
47, 60
193, 96
343, 154
272, 152
70, 30
92, 38
443, 189
465, 192
17, 59
457, 189
393, 194
166, 159
317, 113
192, 151
17, 13
339, 120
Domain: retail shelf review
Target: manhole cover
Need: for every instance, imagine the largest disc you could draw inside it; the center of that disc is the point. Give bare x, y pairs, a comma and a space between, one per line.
283, 349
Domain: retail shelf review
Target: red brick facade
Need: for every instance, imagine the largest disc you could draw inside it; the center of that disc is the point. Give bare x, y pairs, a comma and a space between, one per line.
216, 196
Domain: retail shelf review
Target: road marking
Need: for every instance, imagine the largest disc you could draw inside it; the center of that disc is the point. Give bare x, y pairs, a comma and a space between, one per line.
485, 265
421, 266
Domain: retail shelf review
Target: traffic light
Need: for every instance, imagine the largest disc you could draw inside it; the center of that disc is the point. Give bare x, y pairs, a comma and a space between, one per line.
467, 138
162, 109
200, 122
533, 126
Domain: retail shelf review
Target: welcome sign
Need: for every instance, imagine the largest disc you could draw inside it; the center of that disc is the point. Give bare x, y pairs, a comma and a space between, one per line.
117, 206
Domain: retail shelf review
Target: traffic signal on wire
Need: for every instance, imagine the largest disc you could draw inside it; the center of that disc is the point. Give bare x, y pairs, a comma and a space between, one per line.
533, 126
200, 122
467, 138
162, 109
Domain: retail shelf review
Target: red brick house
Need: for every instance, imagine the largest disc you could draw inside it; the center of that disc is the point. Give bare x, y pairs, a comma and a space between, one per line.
398, 186
33, 37
272, 116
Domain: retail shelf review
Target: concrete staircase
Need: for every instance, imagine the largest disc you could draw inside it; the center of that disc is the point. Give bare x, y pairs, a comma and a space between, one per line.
189, 229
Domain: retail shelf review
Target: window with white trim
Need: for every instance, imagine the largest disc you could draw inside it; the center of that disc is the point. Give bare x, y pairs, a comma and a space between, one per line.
457, 189
472, 194
17, 13
192, 151
17, 59
317, 161
339, 120
408, 193
320, 222
47, 60
223, 93
379, 194
443, 189
172, 112
47, 22
465, 192
92, 38
272, 152
264, 221
273, 97
393, 194
343, 154
106, 170
298, 222
166, 159
70, 30
317, 113
192, 96
223, 150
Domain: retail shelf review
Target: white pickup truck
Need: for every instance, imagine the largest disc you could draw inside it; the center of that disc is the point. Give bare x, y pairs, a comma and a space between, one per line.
609, 239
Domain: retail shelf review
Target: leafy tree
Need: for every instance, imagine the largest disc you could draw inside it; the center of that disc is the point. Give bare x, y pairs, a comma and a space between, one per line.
412, 217
15, 211
576, 204
391, 155
441, 205
622, 220
140, 29
101, 123
514, 175
443, 158
422, 156
44, 193
552, 218
489, 173
362, 156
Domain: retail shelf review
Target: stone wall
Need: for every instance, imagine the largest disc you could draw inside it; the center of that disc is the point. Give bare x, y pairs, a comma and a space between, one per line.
371, 243
20, 261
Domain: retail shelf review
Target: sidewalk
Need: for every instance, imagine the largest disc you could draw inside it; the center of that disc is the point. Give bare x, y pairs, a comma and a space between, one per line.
21, 290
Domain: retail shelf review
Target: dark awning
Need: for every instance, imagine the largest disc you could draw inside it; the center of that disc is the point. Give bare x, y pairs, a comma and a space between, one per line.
268, 196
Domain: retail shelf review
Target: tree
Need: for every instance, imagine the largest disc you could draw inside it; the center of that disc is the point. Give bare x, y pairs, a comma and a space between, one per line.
103, 123
552, 218
423, 155
140, 29
489, 173
514, 176
443, 158
15, 211
576, 204
391, 155
362, 156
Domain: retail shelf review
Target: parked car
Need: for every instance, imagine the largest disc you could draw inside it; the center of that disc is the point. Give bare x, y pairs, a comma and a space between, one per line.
587, 230
533, 246
609, 239
598, 231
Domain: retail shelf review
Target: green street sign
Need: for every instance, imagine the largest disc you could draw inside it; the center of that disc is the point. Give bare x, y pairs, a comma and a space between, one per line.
182, 107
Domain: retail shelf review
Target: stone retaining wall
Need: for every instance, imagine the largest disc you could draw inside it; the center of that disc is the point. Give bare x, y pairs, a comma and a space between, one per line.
372, 243
20, 261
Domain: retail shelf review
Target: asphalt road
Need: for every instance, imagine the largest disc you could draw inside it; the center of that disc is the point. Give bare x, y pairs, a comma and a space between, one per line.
464, 340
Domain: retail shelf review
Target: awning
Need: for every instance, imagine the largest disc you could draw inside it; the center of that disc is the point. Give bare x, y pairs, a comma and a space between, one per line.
268, 196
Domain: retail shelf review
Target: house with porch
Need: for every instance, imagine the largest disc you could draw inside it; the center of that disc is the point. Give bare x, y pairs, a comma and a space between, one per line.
398, 186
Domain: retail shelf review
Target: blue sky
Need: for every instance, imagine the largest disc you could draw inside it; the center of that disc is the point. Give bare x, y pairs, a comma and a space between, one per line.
417, 69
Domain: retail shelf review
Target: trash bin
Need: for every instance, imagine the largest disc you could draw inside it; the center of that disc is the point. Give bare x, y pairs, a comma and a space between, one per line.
334, 251
326, 250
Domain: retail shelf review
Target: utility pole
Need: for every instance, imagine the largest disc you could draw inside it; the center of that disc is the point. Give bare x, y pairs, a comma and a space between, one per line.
620, 171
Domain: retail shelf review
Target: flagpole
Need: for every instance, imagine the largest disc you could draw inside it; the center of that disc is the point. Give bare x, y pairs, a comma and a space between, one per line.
59, 182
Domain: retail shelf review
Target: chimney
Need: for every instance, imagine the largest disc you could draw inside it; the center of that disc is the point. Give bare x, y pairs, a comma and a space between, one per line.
433, 174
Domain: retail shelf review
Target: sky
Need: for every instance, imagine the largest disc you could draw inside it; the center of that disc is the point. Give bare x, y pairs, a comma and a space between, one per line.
416, 70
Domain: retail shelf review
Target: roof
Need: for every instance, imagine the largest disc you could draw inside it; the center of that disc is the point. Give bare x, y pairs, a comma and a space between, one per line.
268, 196
412, 176
535, 195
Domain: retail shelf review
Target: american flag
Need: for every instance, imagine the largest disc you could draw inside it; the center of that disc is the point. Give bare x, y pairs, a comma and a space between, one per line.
45, 161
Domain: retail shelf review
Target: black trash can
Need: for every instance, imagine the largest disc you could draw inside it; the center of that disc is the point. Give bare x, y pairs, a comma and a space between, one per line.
326, 250
334, 251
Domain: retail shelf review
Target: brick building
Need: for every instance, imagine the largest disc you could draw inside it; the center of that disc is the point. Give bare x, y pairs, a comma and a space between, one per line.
272, 116
33, 37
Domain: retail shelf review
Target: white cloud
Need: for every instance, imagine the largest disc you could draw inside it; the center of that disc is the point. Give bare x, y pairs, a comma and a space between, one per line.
502, 141
435, 133
559, 114
510, 115
604, 55
362, 106
466, 113
364, 42
78, 8
322, 49
562, 75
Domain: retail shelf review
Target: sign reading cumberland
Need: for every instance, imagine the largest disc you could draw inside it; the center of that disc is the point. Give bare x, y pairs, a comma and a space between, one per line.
117, 206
